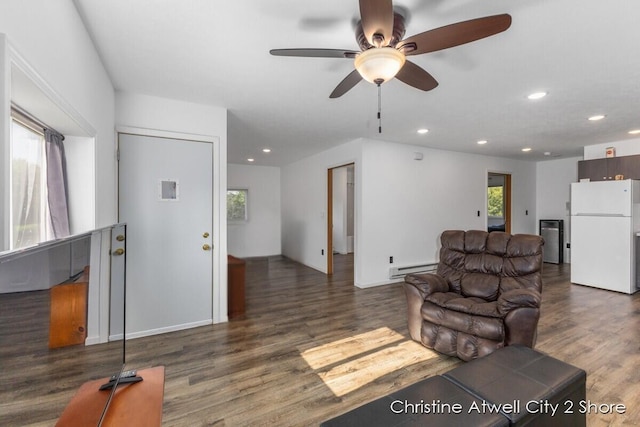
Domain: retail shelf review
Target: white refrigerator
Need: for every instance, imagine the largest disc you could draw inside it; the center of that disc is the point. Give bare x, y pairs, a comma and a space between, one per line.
605, 217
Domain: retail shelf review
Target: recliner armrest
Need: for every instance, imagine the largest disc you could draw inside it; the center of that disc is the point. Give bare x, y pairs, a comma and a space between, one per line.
417, 287
427, 283
517, 298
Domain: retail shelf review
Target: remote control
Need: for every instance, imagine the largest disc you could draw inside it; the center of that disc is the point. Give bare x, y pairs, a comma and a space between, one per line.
125, 374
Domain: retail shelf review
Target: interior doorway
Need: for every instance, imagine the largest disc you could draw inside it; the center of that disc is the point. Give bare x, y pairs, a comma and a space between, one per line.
499, 202
340, 217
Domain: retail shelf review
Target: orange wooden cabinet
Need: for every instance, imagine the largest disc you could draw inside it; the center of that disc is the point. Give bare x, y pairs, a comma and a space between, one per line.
235, 288
68, 317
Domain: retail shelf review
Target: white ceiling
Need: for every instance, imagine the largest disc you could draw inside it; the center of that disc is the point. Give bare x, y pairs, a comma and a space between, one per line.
584, 53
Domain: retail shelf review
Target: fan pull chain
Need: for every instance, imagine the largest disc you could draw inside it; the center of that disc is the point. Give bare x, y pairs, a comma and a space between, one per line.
379, 108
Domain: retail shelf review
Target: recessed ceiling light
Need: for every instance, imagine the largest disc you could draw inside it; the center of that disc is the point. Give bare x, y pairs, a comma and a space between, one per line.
537, 95
526, 150
482, 142
266, 150
547, 153
596, 118
251, 160
423, 131
634, 132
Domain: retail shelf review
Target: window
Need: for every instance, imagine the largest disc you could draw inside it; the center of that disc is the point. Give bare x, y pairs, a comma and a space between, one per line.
496, 202
237, 205
29, 222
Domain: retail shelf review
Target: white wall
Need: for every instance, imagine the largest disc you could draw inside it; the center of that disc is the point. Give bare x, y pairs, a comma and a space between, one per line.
304, 203
554, 178
406, 203
627, 147
51, 42
80, 182
167, 115
261, 234
402, 205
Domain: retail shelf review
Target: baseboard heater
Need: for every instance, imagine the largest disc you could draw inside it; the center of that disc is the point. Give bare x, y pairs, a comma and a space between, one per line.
400, 272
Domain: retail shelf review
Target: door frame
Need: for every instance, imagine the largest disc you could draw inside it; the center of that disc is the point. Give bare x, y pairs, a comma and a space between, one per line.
507, 199
219, 210
330, 214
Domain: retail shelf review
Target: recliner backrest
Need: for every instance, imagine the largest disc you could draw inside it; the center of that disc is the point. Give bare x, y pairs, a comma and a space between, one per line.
481, 264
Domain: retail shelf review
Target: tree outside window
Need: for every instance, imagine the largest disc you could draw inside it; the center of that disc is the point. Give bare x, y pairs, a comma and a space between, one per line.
237, 205
496, 202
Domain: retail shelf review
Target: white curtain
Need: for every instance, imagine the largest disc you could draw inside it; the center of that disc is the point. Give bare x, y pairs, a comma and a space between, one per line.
38, 186
26, 188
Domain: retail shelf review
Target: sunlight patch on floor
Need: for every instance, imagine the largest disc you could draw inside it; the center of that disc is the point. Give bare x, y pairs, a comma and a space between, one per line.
336, 351
348, 364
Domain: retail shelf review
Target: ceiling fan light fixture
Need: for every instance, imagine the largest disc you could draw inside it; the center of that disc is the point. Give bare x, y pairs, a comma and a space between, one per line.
379, 64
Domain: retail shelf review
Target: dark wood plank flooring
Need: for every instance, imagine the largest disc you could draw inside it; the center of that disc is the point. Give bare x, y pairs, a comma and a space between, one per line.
310, 347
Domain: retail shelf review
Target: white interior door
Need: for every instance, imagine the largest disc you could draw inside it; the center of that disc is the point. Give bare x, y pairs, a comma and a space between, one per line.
166, 200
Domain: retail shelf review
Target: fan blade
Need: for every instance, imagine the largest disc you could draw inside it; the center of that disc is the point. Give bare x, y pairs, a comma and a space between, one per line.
454, 34
377, 18
417, 77
315, 53
347, 84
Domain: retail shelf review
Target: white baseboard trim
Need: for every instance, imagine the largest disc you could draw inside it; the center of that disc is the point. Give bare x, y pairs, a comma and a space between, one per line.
373, 285
173, 328
92, 340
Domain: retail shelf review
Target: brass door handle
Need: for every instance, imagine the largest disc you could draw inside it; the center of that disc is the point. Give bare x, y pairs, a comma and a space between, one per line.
205, 234
118, 252
120, 238
206, 247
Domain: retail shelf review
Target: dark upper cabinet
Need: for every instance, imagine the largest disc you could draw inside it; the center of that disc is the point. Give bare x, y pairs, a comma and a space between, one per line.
628, 166
595, 170
607, 168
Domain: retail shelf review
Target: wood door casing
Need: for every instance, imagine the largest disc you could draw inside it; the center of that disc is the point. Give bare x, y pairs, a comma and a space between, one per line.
506, 199
330, 215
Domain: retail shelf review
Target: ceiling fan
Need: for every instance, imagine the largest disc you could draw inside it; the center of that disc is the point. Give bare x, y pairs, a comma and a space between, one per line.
383, 51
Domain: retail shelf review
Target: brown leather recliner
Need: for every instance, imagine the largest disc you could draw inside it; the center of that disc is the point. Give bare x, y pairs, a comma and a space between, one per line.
485, 294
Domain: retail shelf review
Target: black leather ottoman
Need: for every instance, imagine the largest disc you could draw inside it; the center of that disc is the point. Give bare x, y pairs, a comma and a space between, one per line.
432, 402
534, 389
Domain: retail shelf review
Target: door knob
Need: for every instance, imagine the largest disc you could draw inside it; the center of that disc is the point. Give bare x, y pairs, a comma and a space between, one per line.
206, 247
118, 252
205, 235
120, 238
